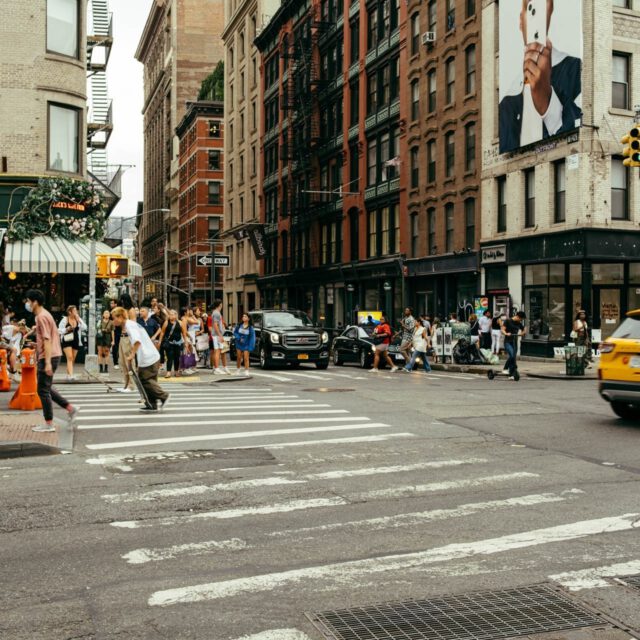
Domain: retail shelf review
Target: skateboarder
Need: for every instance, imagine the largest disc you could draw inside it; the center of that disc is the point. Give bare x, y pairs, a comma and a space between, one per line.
148, 360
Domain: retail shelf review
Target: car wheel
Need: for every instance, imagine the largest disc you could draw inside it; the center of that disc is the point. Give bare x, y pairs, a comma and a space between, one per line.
364, 360
626, 411
336, 358
322, 365
264, 360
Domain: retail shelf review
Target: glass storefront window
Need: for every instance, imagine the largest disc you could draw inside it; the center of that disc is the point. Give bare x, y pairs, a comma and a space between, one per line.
496, 278
536, 274
556, 274
634, 298
535, 306
556, 313
608, 273
634, 273
575, 274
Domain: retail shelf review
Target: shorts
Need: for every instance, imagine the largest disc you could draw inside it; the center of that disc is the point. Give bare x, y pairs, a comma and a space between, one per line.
382, 348
217, 343
406, 344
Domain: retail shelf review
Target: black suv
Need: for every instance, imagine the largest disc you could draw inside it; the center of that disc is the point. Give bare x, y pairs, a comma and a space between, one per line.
288, 337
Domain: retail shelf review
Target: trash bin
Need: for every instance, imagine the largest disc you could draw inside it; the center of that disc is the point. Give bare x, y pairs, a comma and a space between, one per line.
575, 357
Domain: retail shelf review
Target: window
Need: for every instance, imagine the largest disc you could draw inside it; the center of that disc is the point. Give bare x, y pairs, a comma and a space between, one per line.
432, 14
450, 70
355, 41
415, 33
354, 105
214, 129
415, 171
372, 94
214, 193
372, 234
529, 198
449, 153
354, 168
431, 161
372, 28
415, 100
619, 190
502, 203
64, 141
372, 162
431, 80
470, 65
471, 8
431, 231
62, 27
559, 212
623, 4
451, 15
354, 234
620, 81
414, 235
470, 223
214, 160
448, 217
470, 147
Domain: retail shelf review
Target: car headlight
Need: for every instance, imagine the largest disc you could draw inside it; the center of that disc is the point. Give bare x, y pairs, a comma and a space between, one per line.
275, 338
325, 338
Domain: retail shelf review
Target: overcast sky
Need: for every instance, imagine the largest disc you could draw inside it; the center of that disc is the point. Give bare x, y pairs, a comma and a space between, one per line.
125, 88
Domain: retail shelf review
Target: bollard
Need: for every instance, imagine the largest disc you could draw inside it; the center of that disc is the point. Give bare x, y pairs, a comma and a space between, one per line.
5, 383
26, 396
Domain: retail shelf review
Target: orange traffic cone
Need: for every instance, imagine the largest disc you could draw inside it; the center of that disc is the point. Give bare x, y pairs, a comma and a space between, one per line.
5, 383
26, 396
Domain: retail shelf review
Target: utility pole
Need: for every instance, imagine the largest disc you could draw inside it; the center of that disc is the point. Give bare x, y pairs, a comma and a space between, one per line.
91, 360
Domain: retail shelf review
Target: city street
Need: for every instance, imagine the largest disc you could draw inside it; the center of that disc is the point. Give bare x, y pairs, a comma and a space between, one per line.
248, 504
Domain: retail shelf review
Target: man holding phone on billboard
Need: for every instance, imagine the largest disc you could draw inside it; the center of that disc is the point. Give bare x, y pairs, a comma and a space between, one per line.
545, 101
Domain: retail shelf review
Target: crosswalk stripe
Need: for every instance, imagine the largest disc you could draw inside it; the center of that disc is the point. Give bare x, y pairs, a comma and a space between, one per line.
158, 420
594, 578
246, 434
142, 556
272, 376
186, 391
277, 634
312, 376
354, 440
226, 514
357, 570
176, 407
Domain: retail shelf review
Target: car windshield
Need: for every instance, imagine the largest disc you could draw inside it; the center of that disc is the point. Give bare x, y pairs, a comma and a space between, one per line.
287, 319
365, 332
628, 330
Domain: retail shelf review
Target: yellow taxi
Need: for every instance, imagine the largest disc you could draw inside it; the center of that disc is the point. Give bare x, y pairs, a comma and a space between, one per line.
619, 369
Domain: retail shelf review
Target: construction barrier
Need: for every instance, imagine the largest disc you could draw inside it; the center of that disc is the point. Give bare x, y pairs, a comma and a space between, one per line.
5, 382
26, 396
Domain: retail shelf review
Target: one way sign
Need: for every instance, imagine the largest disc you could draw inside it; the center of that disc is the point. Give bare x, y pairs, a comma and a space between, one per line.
221, 261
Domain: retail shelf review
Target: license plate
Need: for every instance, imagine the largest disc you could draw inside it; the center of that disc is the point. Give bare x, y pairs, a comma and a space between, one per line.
305, 356
635, 362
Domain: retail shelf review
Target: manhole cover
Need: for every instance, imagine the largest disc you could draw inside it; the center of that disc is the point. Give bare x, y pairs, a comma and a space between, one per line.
328, 390
632, 581
475, 616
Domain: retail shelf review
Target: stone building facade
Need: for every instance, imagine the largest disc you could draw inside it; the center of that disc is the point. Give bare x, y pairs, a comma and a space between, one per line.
243, 113
179, 47
560, 218
443, 154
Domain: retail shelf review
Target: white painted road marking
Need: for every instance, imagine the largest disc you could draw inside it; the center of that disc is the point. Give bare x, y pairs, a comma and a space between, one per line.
352, 571
225, 514
277, 634
354, 440
246, 434
142, 556
214, 408
594, 578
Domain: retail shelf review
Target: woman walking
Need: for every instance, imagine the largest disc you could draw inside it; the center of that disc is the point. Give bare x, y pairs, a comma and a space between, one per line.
71, 327
496, 335
245, 336
382, 335
581, 335
435, 328
420, 346
104, 340
173, 338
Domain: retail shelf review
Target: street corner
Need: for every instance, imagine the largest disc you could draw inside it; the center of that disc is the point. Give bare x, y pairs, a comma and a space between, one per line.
17, 438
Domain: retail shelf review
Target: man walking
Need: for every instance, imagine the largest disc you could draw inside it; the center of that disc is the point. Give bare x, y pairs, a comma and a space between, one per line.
512, 329
408, 325
485, 330
49, 352
148, 359
117, 334
217, 333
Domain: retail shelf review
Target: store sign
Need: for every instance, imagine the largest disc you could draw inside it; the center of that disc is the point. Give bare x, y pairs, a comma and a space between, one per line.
258, 241
494, 255
71, 206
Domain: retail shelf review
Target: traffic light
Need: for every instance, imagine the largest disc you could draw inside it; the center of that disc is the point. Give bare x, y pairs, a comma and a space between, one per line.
112, 267
631, 151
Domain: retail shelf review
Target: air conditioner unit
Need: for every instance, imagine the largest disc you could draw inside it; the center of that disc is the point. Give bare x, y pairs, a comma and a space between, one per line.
428, 37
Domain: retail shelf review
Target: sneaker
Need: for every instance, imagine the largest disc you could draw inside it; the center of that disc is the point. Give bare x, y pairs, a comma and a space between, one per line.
44, 428
226, 371
246, 373
116, 366
124, 390
511, 378
406, 369
73, 414
374, 370
219, 372
164, 403
17, 377
148, 409
394, 369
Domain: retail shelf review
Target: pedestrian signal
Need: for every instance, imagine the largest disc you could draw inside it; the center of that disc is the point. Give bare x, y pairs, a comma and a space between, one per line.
112, 267
631, 151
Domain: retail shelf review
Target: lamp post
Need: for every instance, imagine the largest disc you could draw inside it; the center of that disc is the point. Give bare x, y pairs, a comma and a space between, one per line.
350, 290
387, 300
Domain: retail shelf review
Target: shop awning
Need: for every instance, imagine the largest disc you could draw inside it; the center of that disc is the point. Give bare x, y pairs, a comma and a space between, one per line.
44, 254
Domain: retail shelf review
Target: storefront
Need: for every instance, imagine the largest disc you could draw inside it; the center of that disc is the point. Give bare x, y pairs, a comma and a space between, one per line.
552, 276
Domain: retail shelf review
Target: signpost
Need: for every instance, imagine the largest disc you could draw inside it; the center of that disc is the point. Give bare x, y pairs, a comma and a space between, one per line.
204, 260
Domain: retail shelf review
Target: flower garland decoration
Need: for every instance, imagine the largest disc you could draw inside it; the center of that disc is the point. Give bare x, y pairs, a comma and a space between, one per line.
60, 208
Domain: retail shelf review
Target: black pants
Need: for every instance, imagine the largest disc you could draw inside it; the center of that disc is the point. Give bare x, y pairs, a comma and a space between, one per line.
47, 392
173, 353
485, 340
115, 352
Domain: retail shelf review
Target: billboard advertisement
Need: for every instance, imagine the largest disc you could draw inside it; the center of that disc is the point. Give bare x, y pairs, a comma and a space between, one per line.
540, 70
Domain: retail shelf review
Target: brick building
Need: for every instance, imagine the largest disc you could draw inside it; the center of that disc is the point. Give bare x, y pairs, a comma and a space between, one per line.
560, 217
201, 171
179, 47
333, 141
443, 159
244, 19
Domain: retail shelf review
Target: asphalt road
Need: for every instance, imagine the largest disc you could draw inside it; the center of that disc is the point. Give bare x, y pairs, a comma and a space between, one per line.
249, 503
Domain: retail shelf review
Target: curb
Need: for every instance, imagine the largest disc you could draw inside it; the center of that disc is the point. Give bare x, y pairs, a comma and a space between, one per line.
550, 376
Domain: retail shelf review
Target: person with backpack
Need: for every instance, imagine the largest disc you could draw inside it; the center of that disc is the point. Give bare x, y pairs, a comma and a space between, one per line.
245, 337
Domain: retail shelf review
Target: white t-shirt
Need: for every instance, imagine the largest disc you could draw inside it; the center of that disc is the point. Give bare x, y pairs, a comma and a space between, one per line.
147, 354
485, 324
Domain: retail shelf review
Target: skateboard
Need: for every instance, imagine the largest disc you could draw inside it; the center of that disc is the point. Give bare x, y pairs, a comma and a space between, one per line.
491, 374
136, 380
106, 383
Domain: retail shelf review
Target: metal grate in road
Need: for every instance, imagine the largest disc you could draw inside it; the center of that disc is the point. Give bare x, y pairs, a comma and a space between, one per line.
632, 581
484, 615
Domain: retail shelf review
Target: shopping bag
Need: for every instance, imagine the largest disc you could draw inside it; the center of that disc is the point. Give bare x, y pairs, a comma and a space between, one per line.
202, 342
188, 361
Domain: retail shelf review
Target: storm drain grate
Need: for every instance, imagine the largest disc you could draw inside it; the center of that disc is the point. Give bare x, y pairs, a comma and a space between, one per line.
475, 616
632, 581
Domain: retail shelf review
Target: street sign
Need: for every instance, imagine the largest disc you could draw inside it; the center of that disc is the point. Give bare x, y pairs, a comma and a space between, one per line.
221, 261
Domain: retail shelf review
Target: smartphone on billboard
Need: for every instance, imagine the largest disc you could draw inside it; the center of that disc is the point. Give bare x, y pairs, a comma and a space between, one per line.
537, 21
